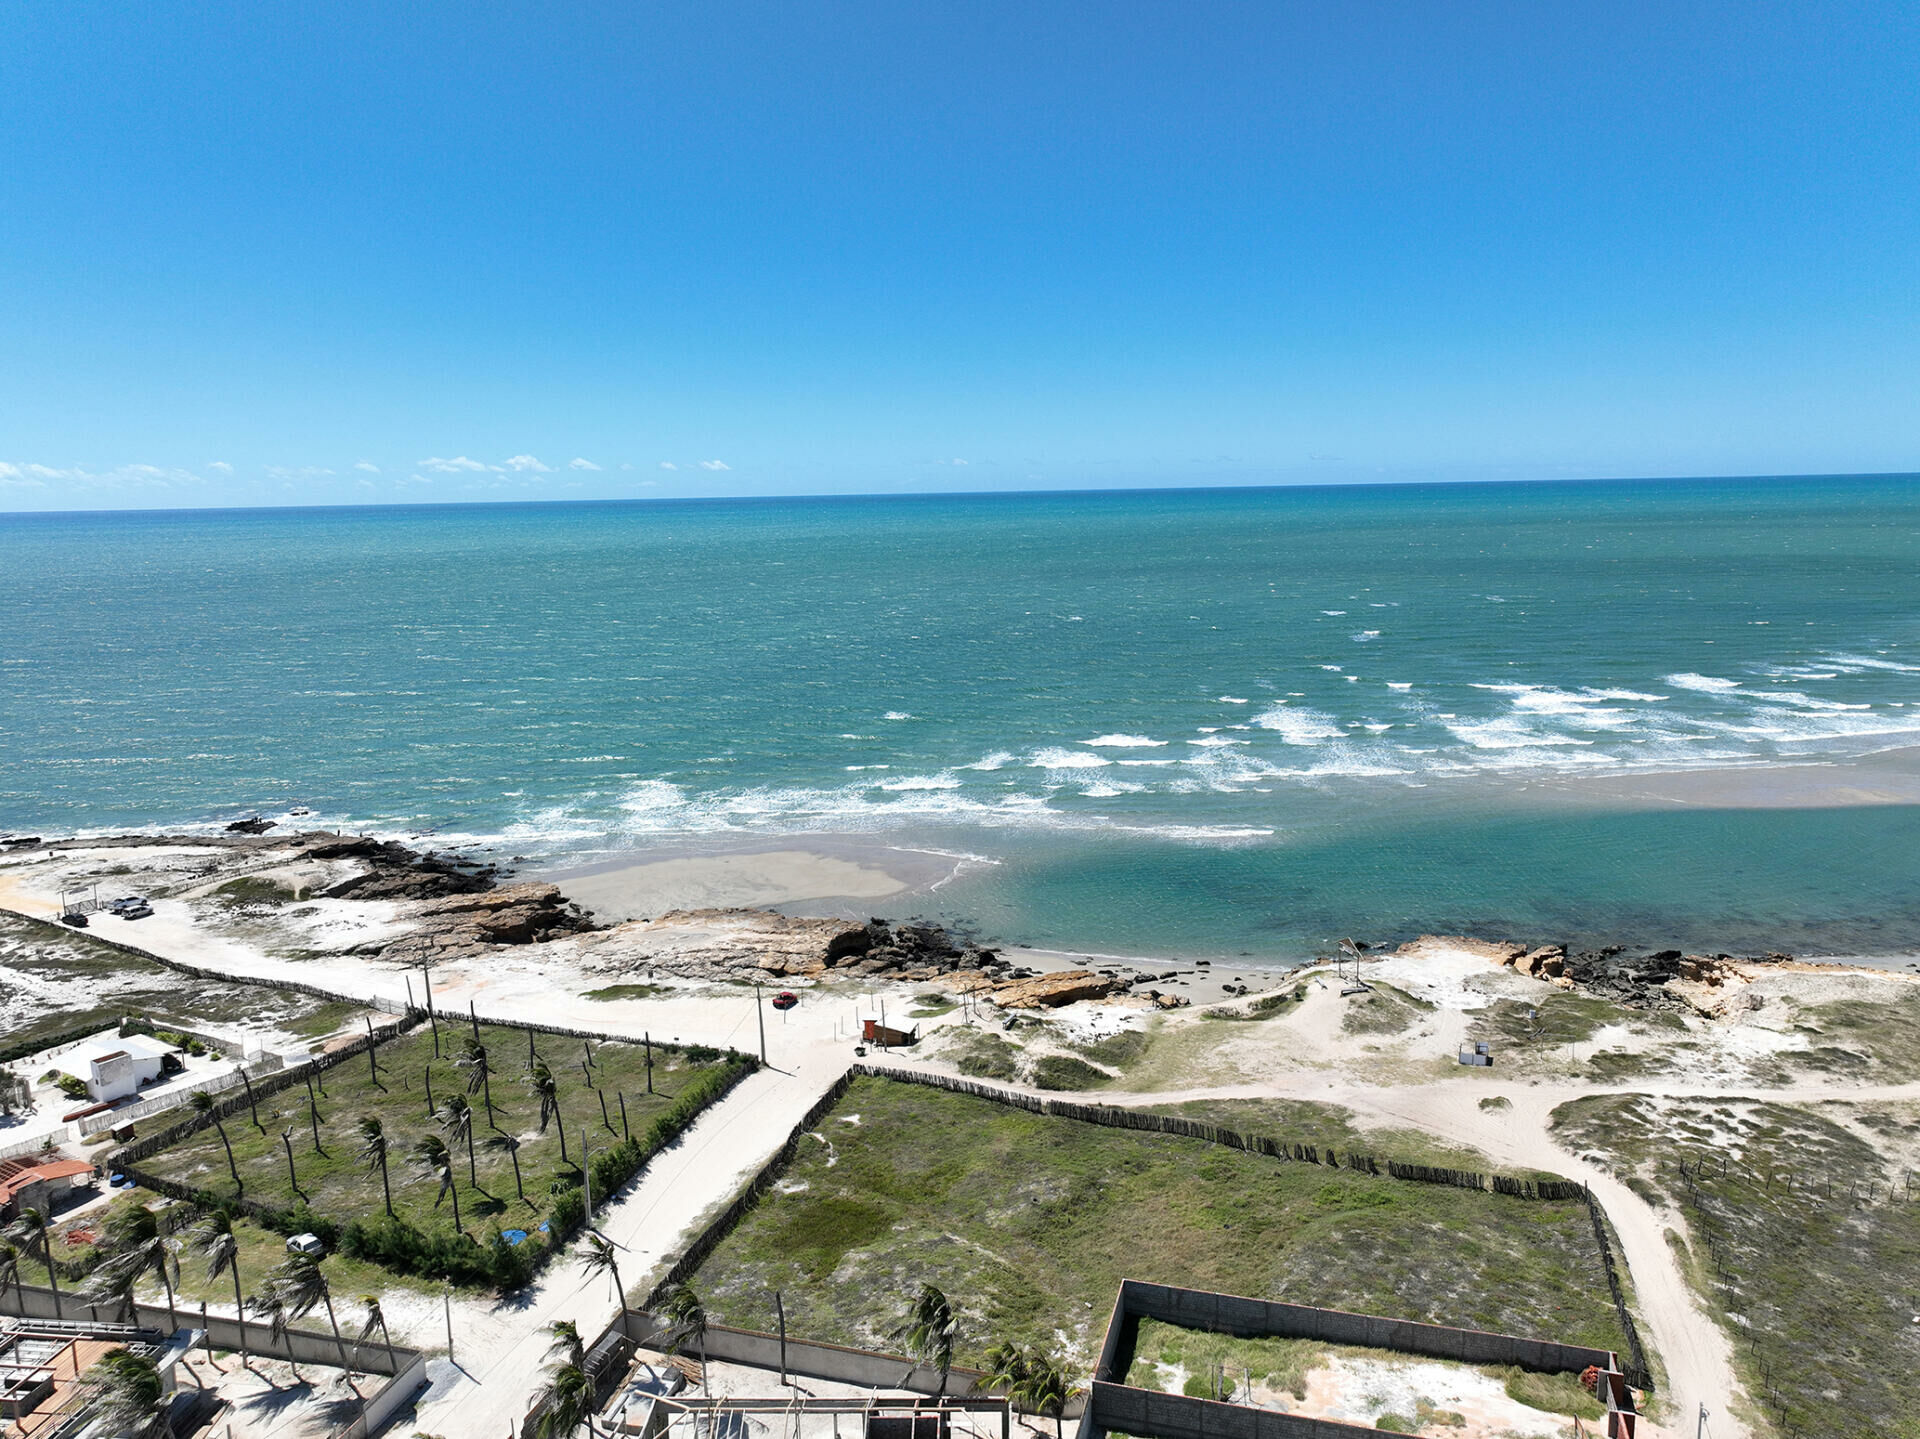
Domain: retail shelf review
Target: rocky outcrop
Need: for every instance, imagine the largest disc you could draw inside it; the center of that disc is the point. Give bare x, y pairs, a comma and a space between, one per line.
462, 925
255, 825
1050, 991
392, 871
1549, 961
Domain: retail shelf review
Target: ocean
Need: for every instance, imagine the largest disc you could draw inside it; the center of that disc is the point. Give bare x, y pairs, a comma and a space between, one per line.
1226, 722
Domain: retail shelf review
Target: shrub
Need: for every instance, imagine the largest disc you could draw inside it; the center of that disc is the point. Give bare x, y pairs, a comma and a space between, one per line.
72, 1086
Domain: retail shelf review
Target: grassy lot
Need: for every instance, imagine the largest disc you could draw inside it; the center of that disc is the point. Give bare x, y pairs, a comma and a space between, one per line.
1283, 1365
1029, 1223
1385, 1010
334, 1181
1816, 1292
67, 981
1303, 1121
1877, 1042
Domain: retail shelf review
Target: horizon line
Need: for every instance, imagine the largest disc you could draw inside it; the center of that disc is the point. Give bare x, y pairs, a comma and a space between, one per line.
913, 495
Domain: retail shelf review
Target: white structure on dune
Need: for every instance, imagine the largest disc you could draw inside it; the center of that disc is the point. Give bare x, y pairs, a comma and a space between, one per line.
121, 1065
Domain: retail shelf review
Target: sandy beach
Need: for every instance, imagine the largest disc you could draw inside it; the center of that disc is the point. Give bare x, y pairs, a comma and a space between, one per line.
833, 878
1888, 776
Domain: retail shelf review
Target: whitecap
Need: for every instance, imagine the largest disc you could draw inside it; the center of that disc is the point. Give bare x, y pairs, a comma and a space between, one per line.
1066, 759
1360, 637
898, 715
999, 759
1124, 741
1335, 613
1231, 700
1299, 726
1703, 684
921, 782
1399, 684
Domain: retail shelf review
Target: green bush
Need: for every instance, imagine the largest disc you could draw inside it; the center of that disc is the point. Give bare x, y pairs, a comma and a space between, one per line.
1063, 1071
72, 1086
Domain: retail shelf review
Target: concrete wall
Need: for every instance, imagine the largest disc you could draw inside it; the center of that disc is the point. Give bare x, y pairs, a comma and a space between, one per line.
1175, 1416
302, 1346
1230, 1314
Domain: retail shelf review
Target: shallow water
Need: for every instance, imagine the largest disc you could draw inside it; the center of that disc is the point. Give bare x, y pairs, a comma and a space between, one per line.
1219, 721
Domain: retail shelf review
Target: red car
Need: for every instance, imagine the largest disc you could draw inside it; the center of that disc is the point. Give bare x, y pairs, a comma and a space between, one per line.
785, 999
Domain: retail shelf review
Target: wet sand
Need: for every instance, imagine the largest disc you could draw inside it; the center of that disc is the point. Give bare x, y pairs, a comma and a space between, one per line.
1889, 776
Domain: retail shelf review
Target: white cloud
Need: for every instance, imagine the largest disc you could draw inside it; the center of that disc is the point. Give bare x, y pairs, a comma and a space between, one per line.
576, 463
715, 465
668, 465
454, 466
36, 476
302, 472
527, 463
222, 466
366, 467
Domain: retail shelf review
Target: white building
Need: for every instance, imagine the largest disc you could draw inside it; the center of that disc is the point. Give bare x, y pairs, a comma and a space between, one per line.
118, 1067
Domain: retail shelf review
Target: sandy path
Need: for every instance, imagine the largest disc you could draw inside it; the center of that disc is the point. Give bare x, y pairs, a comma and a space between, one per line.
504, 1360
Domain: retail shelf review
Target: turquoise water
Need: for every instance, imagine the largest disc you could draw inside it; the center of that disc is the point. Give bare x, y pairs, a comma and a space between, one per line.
1215, 721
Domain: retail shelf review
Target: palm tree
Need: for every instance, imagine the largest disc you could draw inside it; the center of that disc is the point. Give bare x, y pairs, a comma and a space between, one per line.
434, 1157
297, 1285
1006, 1366
214, 1241
373, 1154
567, 1346
135, 1248
1042, 1389
686, 1320
512, 1146
930, 1330
9, 1268
569, 1404
202, 1103
33, 1232
456, 1118
547, 1090
599, 1255
377, 1319
129, 1393
278, 1318
473, 1059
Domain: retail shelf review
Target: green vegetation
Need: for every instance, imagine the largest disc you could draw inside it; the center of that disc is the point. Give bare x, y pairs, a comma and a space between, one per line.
1800, 1237
54, 958
376, 1163
628, 991
1063, 1071
1304, 1121
1279, 1364
1555, 1393
984, 1055
1493, 1103
932, 1006
1384, 1010
1874, 1040
1556, 1019
255, 891
1028, 1223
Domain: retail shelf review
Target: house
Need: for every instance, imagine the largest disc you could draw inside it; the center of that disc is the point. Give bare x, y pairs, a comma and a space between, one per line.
121, 1065
32, 1183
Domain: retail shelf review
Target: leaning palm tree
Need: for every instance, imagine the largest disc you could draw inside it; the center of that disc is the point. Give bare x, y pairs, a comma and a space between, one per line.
33, 1232
437, 1160
686, 1320
569, 1404
215, 1242
278, 1319
129, 1393
473, 1059
929, 1332
1042, 1389
512, 1146
567, 1347
456, 1118
547, 1090
377, 1319
202, 1103
298, 1284
373, 1154
599, 1255
9, 1268
135, 1248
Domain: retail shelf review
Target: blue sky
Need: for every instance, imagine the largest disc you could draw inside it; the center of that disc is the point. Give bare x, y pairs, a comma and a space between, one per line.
286, 254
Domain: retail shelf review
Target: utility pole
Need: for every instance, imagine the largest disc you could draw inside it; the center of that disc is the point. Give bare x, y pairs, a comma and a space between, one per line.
586, 1173
1700, 1428
760, 1013
446, 1300
780, 1309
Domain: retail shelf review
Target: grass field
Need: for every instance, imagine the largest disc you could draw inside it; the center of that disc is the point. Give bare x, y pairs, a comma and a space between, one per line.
56, 981
1816, 1291
1304, 1121
1029, 1223
336, 1182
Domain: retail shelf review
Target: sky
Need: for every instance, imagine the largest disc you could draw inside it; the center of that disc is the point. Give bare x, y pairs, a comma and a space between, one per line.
358, 253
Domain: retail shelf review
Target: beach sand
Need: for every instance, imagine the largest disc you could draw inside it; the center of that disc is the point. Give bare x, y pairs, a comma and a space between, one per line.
828, 878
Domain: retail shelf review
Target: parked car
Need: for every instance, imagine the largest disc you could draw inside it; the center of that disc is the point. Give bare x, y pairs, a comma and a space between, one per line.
785, 999
74, 918
307, 1244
